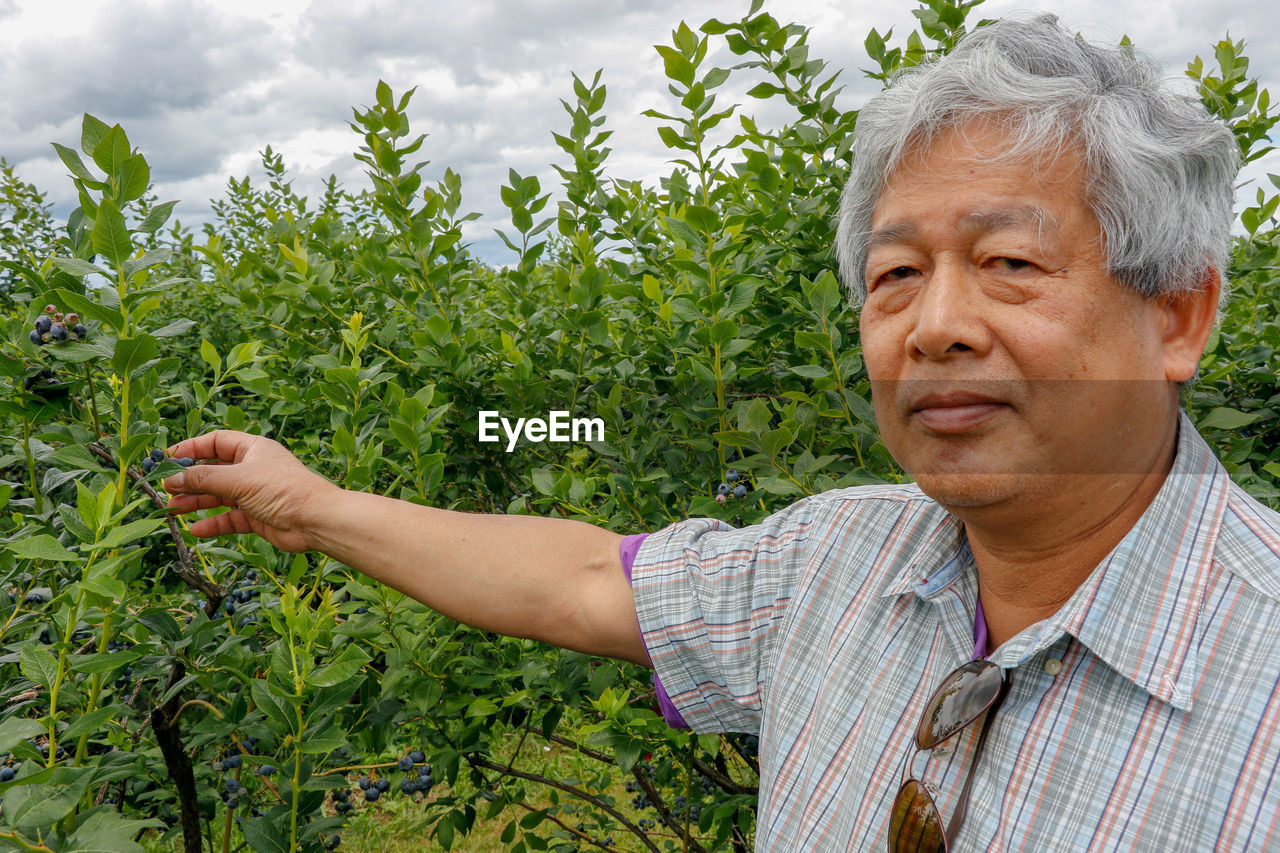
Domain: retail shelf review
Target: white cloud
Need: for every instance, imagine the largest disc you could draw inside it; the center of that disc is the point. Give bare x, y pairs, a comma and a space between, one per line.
203, 87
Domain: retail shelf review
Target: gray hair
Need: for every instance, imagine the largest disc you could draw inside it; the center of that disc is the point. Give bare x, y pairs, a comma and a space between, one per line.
1159, 168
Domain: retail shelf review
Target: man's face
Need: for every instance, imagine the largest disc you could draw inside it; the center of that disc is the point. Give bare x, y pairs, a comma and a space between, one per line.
1006, 364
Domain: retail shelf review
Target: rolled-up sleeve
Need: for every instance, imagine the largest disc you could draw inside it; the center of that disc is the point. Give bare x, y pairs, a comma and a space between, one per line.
711, 600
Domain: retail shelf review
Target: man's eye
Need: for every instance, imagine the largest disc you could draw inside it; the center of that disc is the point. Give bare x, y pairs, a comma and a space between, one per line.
1013, 263
897, 274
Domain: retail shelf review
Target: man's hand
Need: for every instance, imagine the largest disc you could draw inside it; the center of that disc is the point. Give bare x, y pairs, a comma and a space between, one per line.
268, 489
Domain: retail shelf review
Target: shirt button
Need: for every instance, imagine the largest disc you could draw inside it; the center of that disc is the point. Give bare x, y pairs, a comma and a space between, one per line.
1053, 666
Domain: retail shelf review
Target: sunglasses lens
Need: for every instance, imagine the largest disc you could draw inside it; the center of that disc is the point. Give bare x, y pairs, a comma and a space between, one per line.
961, 699
914, 826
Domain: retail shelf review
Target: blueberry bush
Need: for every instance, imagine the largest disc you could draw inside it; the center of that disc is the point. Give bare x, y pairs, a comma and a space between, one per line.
161, 693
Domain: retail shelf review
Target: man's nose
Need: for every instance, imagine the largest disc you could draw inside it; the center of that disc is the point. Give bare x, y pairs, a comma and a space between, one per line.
948, 316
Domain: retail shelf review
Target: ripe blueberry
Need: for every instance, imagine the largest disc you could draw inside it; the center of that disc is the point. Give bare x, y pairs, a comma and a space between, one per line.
723, 489
417, 756
333, 842
267, 770
186, 461
732, 475
382, 785
365, 784
405, 764
6, 774
148, 465
408, 786
43, 322
81, 330
58, 332
740, 491
157, 455
37, 338
371, 795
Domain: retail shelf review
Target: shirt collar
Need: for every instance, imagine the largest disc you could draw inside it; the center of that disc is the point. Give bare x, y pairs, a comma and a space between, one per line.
1138, 609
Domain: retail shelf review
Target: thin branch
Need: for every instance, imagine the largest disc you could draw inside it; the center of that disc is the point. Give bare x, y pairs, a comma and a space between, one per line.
569, 829
185, 568
660, 806
568, 789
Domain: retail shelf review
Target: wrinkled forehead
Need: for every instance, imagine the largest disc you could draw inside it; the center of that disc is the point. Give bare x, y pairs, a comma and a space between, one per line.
999, 138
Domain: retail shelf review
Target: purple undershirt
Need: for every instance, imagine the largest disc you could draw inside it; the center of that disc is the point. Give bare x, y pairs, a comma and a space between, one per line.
627, 551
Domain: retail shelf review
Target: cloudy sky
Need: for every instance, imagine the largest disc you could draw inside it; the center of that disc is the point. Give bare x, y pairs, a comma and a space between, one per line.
202, 87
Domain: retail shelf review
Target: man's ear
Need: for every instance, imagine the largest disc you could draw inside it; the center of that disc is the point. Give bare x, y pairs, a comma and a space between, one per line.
1187, 318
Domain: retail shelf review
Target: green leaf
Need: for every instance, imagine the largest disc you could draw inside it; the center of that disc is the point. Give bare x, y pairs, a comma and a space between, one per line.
38, 806
701, 218
89, 309
106, 831
322, 742
162, 623
134, 178
810, 371
383, 93
273, 707
15, 730
38, 664
87, 724
209, 353
171, 330
110, 234
103, 661
79, 267
157, 217
112, 151
543, 481
350, 662
263, 836
132, 353
92, 132
42, 546
126, 533
652, 289
1228, 419
73, 162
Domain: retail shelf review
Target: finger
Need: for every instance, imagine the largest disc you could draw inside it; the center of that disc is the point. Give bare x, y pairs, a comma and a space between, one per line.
234, 521
226, 445
219, 480
190, 503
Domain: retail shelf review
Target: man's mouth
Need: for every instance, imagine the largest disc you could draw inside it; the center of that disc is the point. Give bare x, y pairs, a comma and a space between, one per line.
954, 411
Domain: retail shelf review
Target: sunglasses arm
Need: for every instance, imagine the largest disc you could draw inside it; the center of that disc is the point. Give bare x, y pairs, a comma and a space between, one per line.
957, 818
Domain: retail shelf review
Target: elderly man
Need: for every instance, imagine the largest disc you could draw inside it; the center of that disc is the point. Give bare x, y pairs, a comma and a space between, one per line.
1066, 636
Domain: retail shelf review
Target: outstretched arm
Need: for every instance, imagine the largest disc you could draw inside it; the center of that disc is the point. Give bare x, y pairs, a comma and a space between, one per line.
554, 580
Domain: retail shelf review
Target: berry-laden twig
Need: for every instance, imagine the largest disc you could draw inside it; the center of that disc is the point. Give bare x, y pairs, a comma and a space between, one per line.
185, 567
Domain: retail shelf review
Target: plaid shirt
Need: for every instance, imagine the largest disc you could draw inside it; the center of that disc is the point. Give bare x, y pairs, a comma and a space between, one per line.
1144, 715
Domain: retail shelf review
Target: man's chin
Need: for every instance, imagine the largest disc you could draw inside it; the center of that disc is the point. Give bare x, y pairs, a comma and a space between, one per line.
968, 490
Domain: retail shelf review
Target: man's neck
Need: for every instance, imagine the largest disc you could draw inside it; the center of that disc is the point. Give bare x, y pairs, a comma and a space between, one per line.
1031, 562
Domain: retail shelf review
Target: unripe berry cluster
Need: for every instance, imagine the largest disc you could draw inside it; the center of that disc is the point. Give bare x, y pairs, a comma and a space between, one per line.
56, 327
